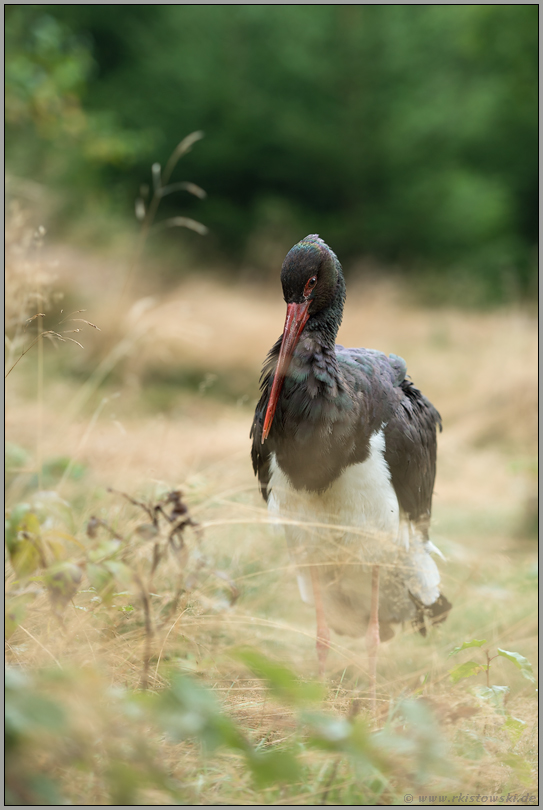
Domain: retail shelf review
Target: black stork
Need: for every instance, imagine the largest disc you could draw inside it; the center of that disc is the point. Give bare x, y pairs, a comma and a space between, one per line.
344, 448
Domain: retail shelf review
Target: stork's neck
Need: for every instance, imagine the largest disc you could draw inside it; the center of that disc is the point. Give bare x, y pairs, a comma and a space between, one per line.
314, 365
321, 329
323, 326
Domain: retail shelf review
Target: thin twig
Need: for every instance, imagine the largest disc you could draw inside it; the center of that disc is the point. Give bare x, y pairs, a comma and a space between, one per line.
134, 502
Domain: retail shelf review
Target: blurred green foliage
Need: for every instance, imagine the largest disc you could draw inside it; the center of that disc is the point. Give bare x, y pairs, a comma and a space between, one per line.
408, 133
50, 743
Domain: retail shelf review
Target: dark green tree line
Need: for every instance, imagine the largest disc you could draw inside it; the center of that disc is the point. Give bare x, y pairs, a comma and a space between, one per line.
408, 133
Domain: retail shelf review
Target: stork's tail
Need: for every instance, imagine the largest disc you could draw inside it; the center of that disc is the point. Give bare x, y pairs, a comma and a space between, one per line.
435, 613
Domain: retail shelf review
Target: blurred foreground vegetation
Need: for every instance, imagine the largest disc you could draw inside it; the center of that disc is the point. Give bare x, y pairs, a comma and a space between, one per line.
404, 134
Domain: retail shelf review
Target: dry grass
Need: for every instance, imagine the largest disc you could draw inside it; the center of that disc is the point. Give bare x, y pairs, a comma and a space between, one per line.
163, 397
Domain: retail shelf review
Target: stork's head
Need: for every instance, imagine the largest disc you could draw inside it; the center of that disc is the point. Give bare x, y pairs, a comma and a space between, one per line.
311, 274
314, 291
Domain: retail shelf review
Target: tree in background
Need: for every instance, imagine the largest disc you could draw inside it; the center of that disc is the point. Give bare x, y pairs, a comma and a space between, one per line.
408, 133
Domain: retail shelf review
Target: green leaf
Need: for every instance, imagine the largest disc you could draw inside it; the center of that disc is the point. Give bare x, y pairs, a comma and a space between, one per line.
272, 767
16, 611
49, 504
120, 571
469, 745
15, 456
519, 661
466, 670
54, 468
473, 643
26, 711
124, 782
30, 524
521, 768
337, 734
25, 554
12, 523
328, 733
495, 695
281, 681
187, 709
62, 582
514, 728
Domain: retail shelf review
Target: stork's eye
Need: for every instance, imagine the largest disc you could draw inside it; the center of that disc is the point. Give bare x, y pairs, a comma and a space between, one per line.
309, 285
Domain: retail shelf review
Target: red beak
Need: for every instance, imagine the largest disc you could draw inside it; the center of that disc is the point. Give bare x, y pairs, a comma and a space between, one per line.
297, 316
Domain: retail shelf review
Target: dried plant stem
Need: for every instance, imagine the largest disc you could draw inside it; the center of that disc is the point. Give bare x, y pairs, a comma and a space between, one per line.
330, 780
39, 425
489, 658
160, 189
148, 638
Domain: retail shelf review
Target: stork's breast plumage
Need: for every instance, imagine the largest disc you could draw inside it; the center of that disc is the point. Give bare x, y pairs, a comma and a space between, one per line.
359, 509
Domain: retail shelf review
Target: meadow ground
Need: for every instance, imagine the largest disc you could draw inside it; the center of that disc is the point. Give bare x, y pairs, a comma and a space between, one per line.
161, 398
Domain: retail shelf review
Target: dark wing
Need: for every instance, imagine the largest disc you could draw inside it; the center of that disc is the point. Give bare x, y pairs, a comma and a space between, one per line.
375, 394
411, 448
260, 453
409, 420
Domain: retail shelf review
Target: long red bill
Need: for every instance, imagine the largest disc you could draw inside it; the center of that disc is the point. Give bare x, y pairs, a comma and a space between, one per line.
297, 315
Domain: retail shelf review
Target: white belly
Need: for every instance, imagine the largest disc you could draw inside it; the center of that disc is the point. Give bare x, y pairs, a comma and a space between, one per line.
355, 523
360, 507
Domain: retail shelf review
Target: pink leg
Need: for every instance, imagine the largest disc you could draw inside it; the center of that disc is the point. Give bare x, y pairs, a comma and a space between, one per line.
323, 633
372, 634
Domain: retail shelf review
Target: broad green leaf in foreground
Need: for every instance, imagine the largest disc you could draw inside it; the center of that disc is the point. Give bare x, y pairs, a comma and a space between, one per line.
189, 710
495, 695
466, 670
62, 580
519, 661
28, 711
281, 681
520, 767
514, 728
13, 522
16, 611
473, 643
271, 767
